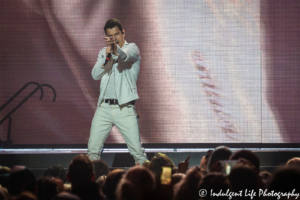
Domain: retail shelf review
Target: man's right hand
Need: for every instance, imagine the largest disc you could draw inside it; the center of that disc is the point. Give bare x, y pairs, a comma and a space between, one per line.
107, 51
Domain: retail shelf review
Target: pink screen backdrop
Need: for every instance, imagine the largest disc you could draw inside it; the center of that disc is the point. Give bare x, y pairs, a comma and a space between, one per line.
211, 72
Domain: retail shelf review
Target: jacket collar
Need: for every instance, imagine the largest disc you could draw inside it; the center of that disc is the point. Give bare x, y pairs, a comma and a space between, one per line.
126, 43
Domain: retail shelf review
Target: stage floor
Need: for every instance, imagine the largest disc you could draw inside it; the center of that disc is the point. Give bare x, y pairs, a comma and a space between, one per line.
125, 150
39, 159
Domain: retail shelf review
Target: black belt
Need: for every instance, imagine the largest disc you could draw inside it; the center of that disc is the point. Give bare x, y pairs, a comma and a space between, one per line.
115, 102
111, 101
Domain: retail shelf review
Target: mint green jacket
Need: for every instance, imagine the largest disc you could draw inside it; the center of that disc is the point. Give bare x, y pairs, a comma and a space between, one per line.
127, 68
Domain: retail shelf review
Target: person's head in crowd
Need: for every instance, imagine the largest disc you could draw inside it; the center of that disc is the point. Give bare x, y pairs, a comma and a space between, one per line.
188, 187
293, 162
265, 177
220, 153
248, 155
46, 189
66, 196
81, 171
4, 170
285, 180
89, 191
166, 157
204, 160
25, 196
56, 171
3, 193
158, 161
4, 174
100, 168
111, 182
21, 180
243, 177
137, 183
146, 164
176, 178
215, 182
48, 172
60, 184
101, 180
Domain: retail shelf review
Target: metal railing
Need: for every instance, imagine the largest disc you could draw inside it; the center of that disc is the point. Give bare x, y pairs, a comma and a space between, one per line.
8, 141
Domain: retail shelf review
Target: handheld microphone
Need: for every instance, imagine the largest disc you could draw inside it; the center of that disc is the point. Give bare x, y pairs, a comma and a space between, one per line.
107, 58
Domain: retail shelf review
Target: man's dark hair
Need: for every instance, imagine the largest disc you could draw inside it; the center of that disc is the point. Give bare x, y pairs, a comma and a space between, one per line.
111, 23
81, 170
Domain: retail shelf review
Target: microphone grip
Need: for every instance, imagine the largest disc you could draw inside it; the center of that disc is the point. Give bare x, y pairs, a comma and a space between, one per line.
107, 58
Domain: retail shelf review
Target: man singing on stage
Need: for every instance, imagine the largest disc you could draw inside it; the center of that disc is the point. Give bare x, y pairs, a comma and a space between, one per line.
118, 67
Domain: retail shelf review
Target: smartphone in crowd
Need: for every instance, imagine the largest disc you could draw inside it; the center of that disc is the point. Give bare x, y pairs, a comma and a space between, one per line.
227, 165
166, 175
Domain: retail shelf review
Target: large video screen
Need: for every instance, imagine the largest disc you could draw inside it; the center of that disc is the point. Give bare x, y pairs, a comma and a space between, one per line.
211, 71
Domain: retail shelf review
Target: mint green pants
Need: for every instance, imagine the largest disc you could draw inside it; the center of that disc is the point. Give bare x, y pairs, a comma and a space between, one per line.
126, 120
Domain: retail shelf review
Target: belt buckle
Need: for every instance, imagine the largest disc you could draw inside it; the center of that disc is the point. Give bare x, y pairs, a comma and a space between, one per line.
114, 102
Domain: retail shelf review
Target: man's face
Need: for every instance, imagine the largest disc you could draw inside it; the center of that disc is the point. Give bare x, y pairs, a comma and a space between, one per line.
116, 35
